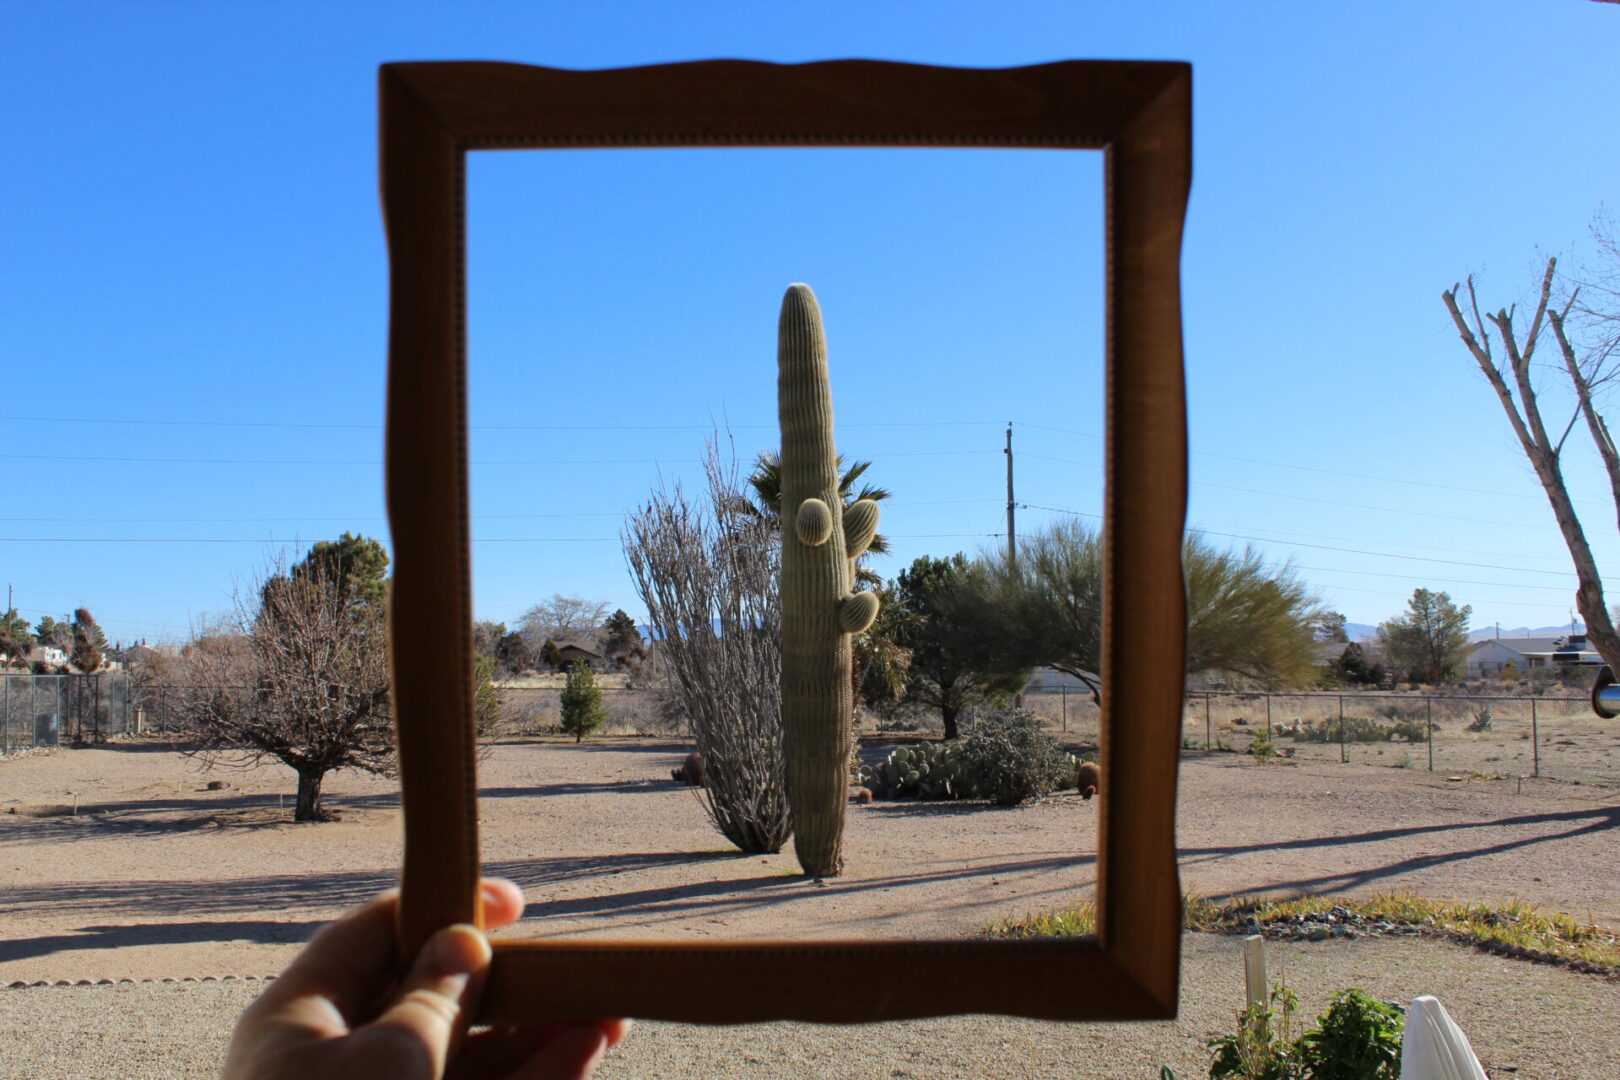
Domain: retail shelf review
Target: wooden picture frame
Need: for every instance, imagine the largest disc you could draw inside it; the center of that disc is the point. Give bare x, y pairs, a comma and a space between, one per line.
1139, 115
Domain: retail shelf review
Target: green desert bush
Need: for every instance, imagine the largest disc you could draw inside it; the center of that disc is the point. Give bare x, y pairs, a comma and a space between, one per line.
1358, 1038
1007, 759
1012, 758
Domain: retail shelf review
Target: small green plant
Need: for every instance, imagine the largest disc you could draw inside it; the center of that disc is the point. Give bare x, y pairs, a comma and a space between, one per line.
1356, 1039
1080, 921
1263, 1046
581, 705
1263, 749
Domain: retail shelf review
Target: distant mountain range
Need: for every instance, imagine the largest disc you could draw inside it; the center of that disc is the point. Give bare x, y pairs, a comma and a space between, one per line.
1525, 631
1364, 632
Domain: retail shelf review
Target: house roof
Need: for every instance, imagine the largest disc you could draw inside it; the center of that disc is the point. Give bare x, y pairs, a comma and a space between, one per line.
1538, 646
582, 650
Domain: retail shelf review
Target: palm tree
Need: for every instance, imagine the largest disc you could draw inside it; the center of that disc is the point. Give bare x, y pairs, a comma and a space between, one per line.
766, 480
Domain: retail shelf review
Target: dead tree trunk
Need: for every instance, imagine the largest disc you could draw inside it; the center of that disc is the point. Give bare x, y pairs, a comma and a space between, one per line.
309, 806
1524, 414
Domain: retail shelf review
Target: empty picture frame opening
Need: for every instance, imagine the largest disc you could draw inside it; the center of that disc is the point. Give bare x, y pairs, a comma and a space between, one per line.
621, 313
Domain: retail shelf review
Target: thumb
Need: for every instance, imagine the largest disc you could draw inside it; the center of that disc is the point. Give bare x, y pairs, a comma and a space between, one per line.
412, 1039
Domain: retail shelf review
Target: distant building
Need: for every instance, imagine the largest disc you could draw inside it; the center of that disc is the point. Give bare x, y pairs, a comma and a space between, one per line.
1490, 656
572, 652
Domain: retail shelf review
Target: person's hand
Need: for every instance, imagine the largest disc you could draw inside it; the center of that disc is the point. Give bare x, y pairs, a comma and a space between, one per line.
340, 1010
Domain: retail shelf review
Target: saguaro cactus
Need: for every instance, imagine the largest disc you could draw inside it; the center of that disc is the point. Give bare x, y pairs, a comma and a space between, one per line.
820, 609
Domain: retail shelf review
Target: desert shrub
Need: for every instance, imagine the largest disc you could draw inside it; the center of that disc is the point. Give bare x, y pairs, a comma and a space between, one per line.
1356, 729
1356, 1039
1263, 749
1481, 721
1410, 730
1262, 1048
1011, 758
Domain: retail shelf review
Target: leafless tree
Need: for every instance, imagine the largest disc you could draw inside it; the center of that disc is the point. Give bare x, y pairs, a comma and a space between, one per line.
707, 573
563, 619
1584, 320
299, 675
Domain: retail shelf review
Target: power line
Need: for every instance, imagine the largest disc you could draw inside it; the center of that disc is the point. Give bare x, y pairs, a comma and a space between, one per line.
1310, 468
1328, 547
300, 425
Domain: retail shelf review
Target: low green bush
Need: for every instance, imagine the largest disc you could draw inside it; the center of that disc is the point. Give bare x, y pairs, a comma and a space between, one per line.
1358, 1038
1012, 758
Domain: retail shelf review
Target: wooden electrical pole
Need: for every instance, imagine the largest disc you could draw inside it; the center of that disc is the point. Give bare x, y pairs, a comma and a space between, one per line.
1012, 536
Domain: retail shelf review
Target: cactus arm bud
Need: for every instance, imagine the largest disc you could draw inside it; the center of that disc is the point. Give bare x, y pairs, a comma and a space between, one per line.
860, 526
856, 613
813, 523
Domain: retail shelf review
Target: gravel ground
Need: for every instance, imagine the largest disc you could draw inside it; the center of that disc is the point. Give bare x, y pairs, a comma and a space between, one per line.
159, 876
1562, 1028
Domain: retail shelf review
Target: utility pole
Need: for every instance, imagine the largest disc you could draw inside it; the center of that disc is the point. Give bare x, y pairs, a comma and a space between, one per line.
1012, 536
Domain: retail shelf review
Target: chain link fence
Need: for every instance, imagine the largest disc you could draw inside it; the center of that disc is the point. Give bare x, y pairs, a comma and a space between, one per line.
1525, 735
537, 710
63, 710
1557, 737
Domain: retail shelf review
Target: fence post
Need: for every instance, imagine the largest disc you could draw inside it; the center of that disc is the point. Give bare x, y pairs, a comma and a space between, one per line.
1343, 756
1065, 691
1209, 740
1428, 704
1535, 740
5, 721
1268, 716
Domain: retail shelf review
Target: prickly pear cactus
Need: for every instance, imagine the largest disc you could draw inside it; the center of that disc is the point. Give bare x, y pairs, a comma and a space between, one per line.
923, 771
820, 609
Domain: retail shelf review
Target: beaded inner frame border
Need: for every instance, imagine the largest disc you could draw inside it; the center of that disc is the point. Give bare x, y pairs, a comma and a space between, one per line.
1139, 115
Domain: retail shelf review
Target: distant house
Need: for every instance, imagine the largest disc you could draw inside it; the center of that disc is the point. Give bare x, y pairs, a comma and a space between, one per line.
47, 654
572, 651
1490, 656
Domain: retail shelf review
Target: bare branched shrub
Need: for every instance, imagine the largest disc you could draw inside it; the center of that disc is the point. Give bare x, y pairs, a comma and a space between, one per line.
299, 674
707, 573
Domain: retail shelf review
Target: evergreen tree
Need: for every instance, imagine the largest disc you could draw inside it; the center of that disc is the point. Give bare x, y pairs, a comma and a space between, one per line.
53, 634
358, 566
1430, 642
486, 699
551, 655
956, 661
15, 638
487, 638
623, 644
582, 711
513, 654
88, 642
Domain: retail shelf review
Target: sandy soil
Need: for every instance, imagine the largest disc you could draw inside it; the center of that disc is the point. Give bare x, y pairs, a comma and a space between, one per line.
157, 876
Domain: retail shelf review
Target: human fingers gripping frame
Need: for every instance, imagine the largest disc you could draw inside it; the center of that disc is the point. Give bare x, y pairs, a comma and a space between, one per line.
1139, 115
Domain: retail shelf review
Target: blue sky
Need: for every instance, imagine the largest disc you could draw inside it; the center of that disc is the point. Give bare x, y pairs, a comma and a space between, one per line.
193, 294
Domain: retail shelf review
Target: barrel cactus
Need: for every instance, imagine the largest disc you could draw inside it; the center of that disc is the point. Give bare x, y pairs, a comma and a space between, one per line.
821, 611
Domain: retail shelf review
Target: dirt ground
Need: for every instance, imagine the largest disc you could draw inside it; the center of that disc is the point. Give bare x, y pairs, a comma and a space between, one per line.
157, 876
